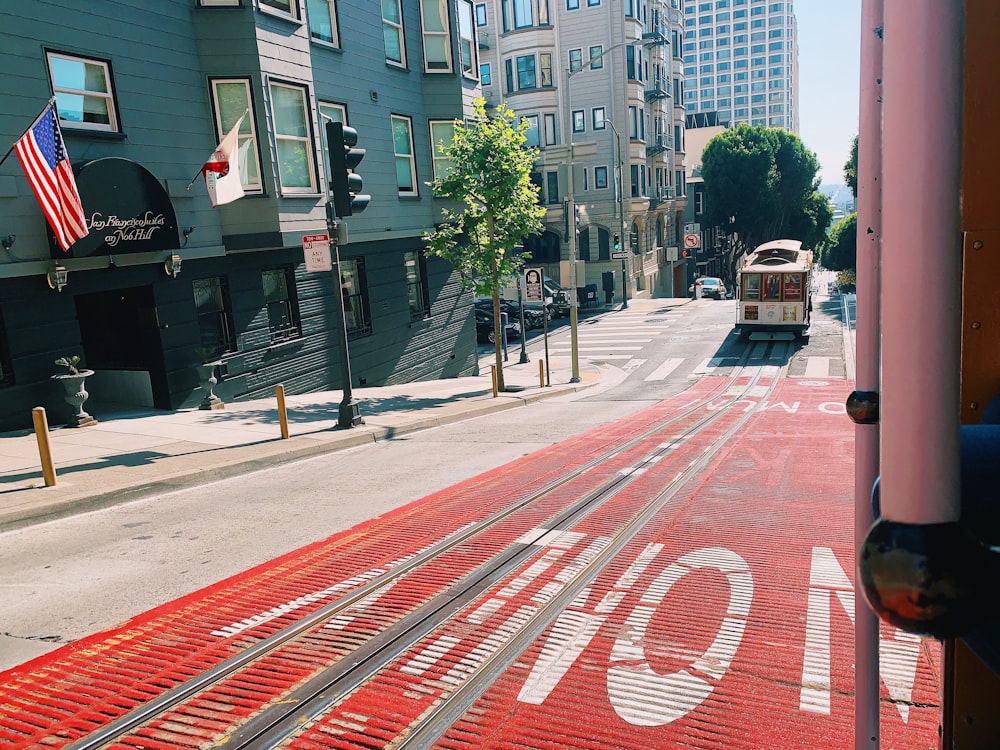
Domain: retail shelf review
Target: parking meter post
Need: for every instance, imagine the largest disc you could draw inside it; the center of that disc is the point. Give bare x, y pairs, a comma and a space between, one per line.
503, 334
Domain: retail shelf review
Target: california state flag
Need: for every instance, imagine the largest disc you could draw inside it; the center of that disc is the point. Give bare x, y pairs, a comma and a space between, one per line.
222, 170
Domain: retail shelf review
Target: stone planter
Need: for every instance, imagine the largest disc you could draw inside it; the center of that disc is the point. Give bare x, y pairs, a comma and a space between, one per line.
206, 376
76, 395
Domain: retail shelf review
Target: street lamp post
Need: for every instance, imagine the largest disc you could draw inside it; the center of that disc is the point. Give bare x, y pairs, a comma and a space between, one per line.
621, 208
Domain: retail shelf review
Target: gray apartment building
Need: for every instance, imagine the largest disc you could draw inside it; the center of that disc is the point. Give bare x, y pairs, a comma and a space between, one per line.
163, 282
741, 60
601, 84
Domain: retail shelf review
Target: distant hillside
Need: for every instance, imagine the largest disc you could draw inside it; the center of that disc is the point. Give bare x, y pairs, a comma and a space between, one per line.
840, 197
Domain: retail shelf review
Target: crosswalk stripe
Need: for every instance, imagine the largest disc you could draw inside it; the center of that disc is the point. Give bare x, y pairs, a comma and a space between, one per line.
663, 370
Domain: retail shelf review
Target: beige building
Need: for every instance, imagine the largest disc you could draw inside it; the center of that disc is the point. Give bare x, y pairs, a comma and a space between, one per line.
601, 84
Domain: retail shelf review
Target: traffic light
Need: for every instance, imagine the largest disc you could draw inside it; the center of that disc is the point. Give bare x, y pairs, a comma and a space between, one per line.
618, 243
344, 157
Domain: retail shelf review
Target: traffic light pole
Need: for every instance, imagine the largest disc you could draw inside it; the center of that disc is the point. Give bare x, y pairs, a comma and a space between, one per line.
350, 411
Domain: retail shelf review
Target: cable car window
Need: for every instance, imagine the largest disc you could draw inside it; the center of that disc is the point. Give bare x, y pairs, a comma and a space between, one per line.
793, 287
751, 286
772, 286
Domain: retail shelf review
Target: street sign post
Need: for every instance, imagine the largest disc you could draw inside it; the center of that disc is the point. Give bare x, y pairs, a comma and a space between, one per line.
621, 255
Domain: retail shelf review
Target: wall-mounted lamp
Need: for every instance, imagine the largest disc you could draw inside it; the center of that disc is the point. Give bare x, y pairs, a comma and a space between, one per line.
172, 265
187, 233
57, 277
8, 241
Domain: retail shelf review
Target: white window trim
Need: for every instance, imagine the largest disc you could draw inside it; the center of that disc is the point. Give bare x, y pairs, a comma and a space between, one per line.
467, 17
223, 127
441, 164
410, 157
402, 37
306, 140
294, 12
444, 34
114, 125
334, 27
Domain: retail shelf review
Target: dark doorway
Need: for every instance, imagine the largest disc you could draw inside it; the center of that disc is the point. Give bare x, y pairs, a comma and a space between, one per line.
119, 331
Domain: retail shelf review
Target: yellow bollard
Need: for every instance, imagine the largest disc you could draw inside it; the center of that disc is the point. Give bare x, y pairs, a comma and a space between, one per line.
282, 416
541, 373
44, 452
493, 377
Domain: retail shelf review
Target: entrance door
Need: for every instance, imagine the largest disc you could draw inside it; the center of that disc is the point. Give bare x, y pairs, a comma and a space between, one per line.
119, 331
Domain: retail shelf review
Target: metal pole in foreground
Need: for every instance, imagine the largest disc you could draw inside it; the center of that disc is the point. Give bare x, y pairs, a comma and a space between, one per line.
524, 329
350, 413
44, 451
866, 436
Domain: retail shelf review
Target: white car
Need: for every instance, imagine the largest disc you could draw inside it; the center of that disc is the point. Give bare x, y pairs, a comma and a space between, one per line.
709, 286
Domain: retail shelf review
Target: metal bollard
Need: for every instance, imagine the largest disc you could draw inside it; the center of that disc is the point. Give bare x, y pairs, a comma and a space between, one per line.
44, 452
541, 373
493, 377
282, 416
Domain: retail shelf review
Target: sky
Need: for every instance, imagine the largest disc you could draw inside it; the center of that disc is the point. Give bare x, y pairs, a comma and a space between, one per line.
829, 75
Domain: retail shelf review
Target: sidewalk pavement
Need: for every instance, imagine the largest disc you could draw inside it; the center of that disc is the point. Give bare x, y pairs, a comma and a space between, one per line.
130, 454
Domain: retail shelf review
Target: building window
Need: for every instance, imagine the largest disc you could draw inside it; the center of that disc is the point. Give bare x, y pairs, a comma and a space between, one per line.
292, 138
437, 35
549, 128
575, 60
282, 305
522, 13
634, 170
552, 187
578, 121
402, 142
215, 317
323, 21
593, 2
230, 99
337, 113
531, 134
468, 49
442, 134
485, 76
392, 32
480, 14
596, 57
600, 178
416, 284
6, 370
572, 4
597, 117
526, 78
84, 92
285, 6
354, 287
545, 68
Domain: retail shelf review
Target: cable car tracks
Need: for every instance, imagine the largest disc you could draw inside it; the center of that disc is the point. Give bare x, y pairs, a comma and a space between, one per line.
289, 676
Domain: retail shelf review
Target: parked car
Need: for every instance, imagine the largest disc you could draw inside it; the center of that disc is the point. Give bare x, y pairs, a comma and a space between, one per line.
709, 286
533, 312
486, 331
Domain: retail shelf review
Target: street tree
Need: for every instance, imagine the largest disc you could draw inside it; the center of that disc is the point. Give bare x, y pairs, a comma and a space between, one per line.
841, 253
761, 184
489, 177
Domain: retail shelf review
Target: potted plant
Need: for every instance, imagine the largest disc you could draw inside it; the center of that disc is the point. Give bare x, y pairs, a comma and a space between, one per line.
73, 381
206, 376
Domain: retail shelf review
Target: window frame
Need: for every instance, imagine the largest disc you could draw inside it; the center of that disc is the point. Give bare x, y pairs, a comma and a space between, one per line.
248, 129
596, 62
467, 40
443, 36
307, 140
598, 123
410, 157
598, 172
228, 343
399, 30
579, 120
109, 97
294, 11
440, 165
328, 109
357, 321
331, 14
291, 327
417, 289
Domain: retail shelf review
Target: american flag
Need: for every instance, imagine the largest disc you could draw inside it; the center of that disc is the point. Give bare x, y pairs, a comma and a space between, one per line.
46, 163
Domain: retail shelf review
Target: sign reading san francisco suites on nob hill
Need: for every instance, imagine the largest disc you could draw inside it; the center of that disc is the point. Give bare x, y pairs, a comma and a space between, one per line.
127, 211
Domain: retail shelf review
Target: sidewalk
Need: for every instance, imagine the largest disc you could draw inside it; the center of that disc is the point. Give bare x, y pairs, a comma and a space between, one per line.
130, 454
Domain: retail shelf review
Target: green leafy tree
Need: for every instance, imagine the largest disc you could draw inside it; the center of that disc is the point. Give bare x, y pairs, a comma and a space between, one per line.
762, 184
842, 248
851, 169
490, 178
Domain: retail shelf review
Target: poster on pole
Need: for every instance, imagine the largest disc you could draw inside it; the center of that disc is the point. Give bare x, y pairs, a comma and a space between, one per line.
533, 291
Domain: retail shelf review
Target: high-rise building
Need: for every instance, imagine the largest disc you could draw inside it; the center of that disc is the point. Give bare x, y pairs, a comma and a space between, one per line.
601, 84
741, 60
